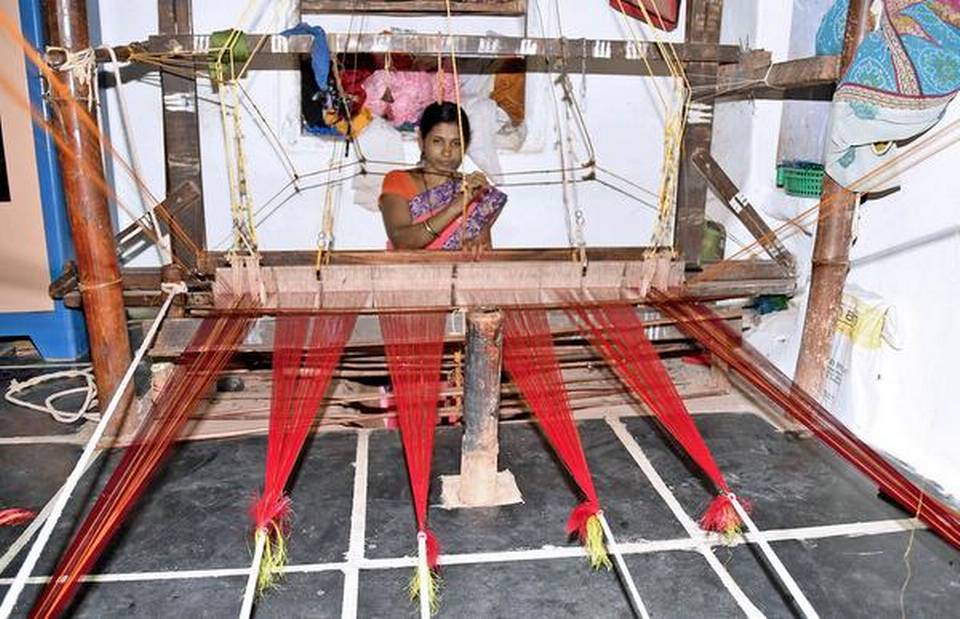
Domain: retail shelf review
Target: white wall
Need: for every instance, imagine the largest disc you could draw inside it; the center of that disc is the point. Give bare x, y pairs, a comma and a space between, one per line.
625, 127
907, 250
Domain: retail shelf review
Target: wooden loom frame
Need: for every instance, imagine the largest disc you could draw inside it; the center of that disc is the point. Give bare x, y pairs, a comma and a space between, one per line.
714, 65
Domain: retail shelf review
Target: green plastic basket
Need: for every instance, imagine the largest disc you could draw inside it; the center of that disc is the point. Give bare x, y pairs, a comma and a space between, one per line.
800, 178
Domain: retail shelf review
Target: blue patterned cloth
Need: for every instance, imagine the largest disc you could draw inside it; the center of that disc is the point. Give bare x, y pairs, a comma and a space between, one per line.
899, 84
912, 60
832, 27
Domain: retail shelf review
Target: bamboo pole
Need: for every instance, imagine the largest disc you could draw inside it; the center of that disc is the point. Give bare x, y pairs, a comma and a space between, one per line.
831, 248
87, 209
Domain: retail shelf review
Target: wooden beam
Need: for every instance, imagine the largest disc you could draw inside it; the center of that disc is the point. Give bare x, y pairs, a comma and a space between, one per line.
725, 189
181, 134
280, 52
176, 333
81, 162
183, 197
702, 27
756, 76
215, 260
505, 7
831, 246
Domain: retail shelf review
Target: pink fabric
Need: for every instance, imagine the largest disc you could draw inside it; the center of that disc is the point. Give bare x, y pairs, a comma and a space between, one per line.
411, 91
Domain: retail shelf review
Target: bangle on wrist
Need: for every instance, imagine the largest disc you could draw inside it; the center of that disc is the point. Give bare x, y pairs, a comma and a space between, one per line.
429, 229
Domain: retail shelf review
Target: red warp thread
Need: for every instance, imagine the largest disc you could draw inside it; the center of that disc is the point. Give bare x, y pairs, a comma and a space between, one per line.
13, 516
433, 548
701, 323
531, 360
305, 352
414, 348
207, 354
617, 332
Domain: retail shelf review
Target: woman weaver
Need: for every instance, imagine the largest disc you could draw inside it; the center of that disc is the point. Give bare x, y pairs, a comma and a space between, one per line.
423, 208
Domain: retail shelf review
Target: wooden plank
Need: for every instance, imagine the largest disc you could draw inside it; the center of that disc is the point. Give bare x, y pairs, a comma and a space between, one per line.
181, 134
176, 333
724, 188
756, 76
279, 51
148, 278
214, 260
183, 197
500, 7
702, 26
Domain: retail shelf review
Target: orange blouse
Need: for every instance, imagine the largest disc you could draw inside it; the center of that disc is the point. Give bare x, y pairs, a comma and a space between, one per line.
399, 183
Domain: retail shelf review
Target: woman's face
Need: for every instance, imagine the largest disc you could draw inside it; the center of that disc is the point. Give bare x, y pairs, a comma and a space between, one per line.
441, 147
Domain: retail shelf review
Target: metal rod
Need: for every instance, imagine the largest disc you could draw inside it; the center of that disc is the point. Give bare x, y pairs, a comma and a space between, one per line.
785, 577
250, 592
635, 601
423, 571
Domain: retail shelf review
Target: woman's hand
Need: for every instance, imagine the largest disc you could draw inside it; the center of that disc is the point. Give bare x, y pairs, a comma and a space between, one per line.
476, 182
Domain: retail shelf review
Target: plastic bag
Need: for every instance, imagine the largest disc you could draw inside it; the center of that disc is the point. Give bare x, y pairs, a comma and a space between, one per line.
866, 324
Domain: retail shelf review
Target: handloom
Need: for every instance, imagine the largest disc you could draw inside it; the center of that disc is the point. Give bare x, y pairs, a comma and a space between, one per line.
602, 301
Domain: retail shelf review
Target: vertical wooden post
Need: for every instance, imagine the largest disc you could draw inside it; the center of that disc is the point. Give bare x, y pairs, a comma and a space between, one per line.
702, 26
481, 407
181, 133
831, 247
100, 284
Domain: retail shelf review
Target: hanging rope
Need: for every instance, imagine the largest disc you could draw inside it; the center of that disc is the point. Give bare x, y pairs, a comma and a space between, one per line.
147, 199
224, 76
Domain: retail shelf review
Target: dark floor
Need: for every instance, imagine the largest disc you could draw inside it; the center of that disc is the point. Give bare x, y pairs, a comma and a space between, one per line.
195, 518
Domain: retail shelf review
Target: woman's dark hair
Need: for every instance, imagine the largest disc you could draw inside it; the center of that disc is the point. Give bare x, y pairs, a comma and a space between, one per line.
445, 112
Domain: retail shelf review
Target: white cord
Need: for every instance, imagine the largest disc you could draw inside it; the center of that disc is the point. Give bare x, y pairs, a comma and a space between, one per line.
89, 390
82, 63
13, 593
163, 241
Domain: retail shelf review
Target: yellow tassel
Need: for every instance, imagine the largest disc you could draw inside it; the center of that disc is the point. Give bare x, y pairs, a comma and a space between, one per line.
594, 545
415, 589
274, 558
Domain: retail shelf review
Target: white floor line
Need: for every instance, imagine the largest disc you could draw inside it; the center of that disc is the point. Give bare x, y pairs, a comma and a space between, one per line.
783, 574
35, 524
54, 439
854, 529
43, 366
636, 602
358, 526
692, 529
